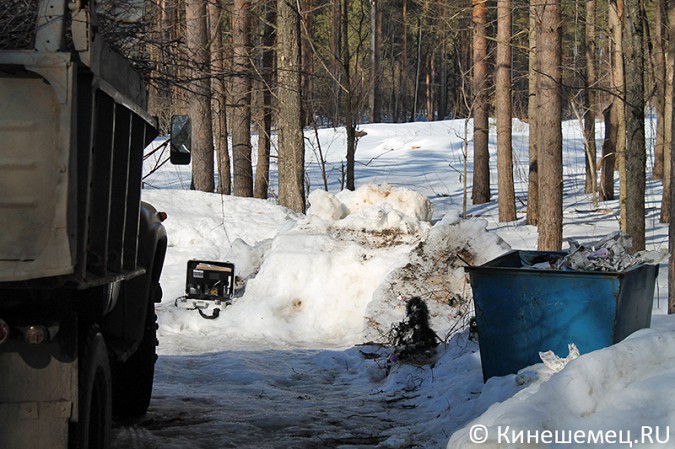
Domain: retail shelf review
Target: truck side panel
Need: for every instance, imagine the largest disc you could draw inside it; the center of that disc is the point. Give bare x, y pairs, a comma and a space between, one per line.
35, 121
119, 137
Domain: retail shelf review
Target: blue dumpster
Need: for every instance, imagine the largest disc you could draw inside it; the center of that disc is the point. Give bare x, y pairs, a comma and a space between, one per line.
521, 311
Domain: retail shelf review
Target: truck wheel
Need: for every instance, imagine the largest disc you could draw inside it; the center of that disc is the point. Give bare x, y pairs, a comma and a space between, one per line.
133, 379
93, 429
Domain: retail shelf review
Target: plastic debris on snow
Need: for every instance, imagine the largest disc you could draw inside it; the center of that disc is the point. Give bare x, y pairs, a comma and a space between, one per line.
612, 253
556, 363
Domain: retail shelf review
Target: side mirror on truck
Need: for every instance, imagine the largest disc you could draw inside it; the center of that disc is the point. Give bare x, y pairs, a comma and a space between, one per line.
181, 140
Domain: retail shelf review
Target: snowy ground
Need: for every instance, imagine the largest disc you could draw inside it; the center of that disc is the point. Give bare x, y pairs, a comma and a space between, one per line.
298, 362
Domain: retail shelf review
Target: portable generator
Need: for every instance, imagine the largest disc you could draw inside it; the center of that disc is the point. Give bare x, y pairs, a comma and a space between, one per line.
209, 285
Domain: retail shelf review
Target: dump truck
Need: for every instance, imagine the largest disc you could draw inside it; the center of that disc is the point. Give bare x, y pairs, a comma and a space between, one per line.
80, 253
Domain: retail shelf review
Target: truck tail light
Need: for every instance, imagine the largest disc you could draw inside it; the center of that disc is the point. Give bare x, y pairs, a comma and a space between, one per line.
4, 331
35, 334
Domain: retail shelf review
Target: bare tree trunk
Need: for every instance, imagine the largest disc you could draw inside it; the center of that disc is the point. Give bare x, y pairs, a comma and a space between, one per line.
590, 100
429, 85
219, 99
307, 63
609, 153
395, 88
199, 104
481, 155
348, 94
418, 71
336, 51
241, 99
671, 224
443, 66
507, 198
615, 18
375, 57
532, 108
633, 60
659, 54
291, 138
549, 55
264, 126
429, 66
668, 137
404, 64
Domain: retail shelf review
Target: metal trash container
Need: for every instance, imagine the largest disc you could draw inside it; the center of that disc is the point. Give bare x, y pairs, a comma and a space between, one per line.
521, 311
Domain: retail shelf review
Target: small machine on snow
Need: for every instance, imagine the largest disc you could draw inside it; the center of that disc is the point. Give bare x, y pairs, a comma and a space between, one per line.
209, 286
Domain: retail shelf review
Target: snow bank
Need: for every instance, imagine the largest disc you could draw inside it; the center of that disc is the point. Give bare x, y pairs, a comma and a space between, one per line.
332, 278
615, 389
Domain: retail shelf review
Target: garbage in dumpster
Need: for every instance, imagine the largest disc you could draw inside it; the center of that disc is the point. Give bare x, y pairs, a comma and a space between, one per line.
521, 310
556, 363
611, 253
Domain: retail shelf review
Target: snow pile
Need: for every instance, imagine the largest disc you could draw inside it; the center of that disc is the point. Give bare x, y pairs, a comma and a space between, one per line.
347, 202
384, 213
317, 280
617, 389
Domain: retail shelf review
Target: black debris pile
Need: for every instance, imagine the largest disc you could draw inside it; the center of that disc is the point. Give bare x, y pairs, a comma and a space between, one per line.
413, 337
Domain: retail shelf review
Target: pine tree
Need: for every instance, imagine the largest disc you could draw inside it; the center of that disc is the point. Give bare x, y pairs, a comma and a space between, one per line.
507, 197
199, 104
241, 99
549, 127
481, 155
291, 138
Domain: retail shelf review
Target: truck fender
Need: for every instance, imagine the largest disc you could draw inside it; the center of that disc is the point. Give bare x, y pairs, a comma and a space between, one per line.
124, 325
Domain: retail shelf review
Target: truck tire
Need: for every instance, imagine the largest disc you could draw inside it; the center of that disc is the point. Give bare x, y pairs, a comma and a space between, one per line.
133, 379
95, 411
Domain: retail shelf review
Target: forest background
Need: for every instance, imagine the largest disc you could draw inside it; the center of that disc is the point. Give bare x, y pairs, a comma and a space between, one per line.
270, 69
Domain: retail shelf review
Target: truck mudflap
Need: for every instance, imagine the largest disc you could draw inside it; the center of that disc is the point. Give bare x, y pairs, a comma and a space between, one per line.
39, 399
35, 424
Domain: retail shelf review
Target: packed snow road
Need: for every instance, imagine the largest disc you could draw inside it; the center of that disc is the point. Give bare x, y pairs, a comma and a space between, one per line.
274, 399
